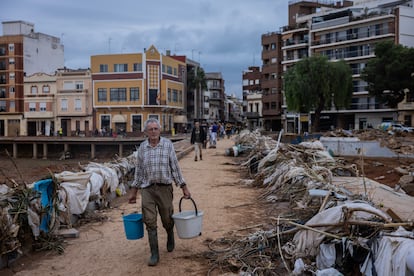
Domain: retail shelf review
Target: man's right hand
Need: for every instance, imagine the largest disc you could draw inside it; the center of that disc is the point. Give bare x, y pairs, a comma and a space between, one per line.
133, 196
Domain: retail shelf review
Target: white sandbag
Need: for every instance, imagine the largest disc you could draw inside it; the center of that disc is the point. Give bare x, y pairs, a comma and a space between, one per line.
77, 196
76, 177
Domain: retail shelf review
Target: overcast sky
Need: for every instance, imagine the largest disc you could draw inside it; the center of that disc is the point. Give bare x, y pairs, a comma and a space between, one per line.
223, 35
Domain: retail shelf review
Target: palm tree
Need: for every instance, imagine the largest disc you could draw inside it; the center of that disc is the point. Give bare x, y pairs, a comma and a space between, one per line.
197, 81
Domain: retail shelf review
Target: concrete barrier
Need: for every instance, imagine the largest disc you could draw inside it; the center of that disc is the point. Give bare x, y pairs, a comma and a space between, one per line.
352, 146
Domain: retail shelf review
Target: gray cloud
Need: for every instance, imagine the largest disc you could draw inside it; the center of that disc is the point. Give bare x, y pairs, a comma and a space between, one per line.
224, 36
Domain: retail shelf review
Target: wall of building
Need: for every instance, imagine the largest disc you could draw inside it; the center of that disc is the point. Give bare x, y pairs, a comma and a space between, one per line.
42, 53
39, 93
406, 35
160, 84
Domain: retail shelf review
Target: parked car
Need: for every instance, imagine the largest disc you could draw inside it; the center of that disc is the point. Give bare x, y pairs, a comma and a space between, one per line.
396, 127
401, 128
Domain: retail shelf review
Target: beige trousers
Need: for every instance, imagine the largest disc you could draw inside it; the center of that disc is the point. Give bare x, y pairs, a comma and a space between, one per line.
198, 150
157, 198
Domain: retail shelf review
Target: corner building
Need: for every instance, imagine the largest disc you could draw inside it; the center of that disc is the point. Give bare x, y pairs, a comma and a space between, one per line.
349, 31
23, 52
128, 89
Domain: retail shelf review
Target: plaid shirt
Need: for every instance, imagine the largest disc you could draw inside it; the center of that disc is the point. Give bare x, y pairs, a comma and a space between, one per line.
157, 164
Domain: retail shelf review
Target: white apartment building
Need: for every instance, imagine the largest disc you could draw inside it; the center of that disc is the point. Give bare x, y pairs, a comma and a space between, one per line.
42, 53
349, 33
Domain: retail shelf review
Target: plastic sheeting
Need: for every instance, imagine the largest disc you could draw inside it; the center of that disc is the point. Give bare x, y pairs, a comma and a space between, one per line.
109, 175
307, 242
76, 196
96, 182
390, 255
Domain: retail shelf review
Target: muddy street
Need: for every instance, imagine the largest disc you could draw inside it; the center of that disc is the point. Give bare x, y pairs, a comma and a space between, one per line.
102, 247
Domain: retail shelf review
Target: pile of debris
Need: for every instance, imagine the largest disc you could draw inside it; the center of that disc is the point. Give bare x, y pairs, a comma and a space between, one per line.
328, 229
34, 213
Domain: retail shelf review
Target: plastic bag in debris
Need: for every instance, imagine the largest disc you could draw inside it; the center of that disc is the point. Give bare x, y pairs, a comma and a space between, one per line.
328, 272
299, 267
4, 192
392, 255
121, 190
34, 221
326, 256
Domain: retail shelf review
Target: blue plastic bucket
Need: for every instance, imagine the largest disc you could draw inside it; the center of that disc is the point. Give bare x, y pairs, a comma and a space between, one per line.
134, 228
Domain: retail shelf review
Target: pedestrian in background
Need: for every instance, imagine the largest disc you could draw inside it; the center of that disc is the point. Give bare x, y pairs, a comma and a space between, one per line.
206, 129
198, 137
155, 171
213, 135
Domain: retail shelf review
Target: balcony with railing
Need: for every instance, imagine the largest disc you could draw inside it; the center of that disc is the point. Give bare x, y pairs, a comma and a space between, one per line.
353, 34
252, 115
356, 51
74, 91
292, 43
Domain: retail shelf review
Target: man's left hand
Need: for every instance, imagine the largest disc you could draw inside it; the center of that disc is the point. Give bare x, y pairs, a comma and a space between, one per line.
186, 192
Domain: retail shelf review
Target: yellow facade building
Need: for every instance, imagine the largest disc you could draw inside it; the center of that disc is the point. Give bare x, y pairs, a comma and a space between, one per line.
130, 88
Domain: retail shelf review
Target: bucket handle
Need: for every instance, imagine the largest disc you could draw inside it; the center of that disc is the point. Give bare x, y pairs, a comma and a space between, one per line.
195, 206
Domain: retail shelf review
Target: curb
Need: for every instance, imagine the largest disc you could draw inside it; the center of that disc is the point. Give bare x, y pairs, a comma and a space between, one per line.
183, 153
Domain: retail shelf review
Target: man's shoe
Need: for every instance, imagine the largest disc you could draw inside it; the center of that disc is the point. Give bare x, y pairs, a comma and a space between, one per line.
201, 157
195, 159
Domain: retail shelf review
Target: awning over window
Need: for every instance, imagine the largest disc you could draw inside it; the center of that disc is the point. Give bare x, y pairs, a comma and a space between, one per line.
180, 119
118, 118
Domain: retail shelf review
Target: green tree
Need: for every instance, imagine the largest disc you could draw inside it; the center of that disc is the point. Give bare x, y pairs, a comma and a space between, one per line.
196, 80
389, 74
315, 84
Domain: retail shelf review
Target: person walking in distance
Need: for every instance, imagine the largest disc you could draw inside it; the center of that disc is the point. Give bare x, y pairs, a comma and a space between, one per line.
155, 171
214, 131
198, 137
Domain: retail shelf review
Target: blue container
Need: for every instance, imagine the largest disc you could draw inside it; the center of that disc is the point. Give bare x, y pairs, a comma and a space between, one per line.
45, 188
134, 228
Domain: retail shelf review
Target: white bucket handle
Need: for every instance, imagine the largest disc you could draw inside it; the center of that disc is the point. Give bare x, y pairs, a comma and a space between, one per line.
195, 206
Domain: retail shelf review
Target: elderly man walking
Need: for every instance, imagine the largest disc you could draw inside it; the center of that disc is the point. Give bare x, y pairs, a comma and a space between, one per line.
155, 171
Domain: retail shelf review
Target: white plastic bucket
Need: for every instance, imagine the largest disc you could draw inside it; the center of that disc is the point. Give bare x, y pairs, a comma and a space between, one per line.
188, 223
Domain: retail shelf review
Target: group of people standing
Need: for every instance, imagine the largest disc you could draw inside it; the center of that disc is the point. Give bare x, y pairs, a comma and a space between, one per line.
201, 134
